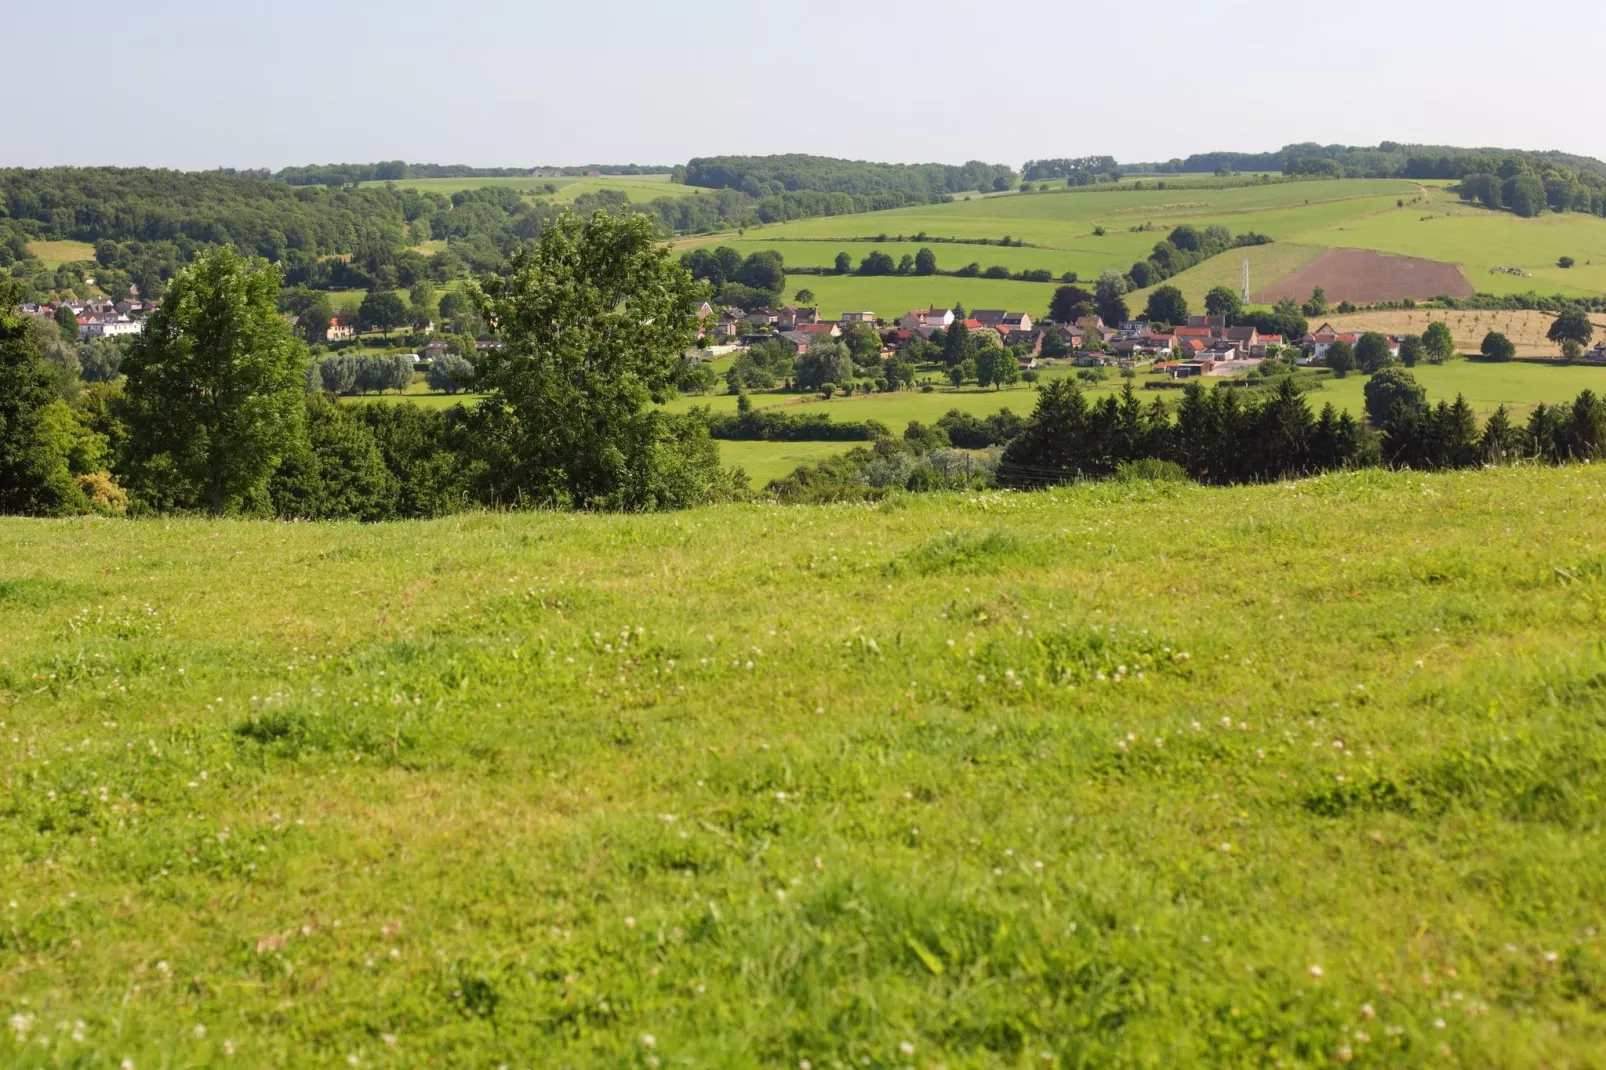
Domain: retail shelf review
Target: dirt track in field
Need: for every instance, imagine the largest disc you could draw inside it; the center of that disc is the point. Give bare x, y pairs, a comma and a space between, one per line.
1369, 278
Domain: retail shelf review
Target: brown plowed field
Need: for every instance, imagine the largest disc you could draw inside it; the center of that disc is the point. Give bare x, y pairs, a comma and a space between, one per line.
1369, 278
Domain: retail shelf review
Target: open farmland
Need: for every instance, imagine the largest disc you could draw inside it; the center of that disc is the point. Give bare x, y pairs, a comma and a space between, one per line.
978, 781
1368, 278
637, 187
1526, 329
1394, 217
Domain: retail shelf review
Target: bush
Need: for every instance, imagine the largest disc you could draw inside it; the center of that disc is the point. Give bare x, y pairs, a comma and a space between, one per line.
1565, 262
1151, 470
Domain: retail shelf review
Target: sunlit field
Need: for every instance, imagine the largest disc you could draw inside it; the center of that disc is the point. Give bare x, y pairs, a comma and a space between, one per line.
1120, 774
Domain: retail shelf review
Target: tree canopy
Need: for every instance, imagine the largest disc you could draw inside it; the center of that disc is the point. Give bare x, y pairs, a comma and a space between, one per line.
593, 320
215, 385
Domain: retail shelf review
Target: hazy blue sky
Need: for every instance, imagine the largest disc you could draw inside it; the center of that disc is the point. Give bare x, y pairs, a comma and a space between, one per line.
193, 84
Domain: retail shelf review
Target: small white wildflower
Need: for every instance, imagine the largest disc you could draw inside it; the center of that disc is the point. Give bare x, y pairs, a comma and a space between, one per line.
630, 923
648, 1040
906, 1049
1315, 971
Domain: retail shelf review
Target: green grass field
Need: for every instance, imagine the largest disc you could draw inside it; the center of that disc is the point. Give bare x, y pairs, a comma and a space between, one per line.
1518, 385
56, 253
637, 187
1303, 217
1117, 775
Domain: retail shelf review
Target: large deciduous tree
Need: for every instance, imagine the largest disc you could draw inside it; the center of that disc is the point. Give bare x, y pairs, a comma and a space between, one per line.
1167, 305
1069, 304
1389, 388
383, 311
1571, 326
1373, 353
34, 473
1108, 296
1222, 301
594, 320
1438, 342
1497, 346
1341, 358
215, 387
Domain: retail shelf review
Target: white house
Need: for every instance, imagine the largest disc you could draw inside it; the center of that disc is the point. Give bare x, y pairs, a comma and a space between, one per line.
109, 328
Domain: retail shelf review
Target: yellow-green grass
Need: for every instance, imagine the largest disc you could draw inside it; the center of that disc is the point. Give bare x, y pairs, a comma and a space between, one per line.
1114, 775
1087, 258
56, 253
890, 296
1267, 263
1518, 385
766, 461
430, 248
339, 298
637, 187
1479, 239
1054, 219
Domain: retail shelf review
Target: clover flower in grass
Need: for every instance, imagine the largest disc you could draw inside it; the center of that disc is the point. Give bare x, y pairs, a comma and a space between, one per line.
906, 1049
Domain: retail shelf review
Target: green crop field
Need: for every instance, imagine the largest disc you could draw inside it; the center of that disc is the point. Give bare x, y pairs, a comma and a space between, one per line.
56, 253
637, 187
1114, 775
890, 296
1391, 216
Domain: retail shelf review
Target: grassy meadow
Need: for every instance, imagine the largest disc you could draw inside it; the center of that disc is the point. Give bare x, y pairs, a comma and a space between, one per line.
1384, 215
1519, 385
1115, 775
637, 187
56, 253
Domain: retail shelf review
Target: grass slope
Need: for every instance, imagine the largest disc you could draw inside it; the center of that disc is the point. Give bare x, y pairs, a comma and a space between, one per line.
56, 253
1389, 216
1115, 775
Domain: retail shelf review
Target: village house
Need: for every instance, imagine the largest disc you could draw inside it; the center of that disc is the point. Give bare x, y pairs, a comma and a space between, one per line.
1597, 355
1244, 338
1323, 338
800, 338
762, 317
790, 317
930, 318
818, 331
857, 317
338, 332
108, 327
434, 350
1092, 327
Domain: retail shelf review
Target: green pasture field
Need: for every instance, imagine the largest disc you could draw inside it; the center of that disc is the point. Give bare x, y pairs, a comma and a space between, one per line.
56, 253
1518, 385
890, 296
1088, 258
1479, 239
448, 186
1303, 217
637, 187
1113, 775
1267, 264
